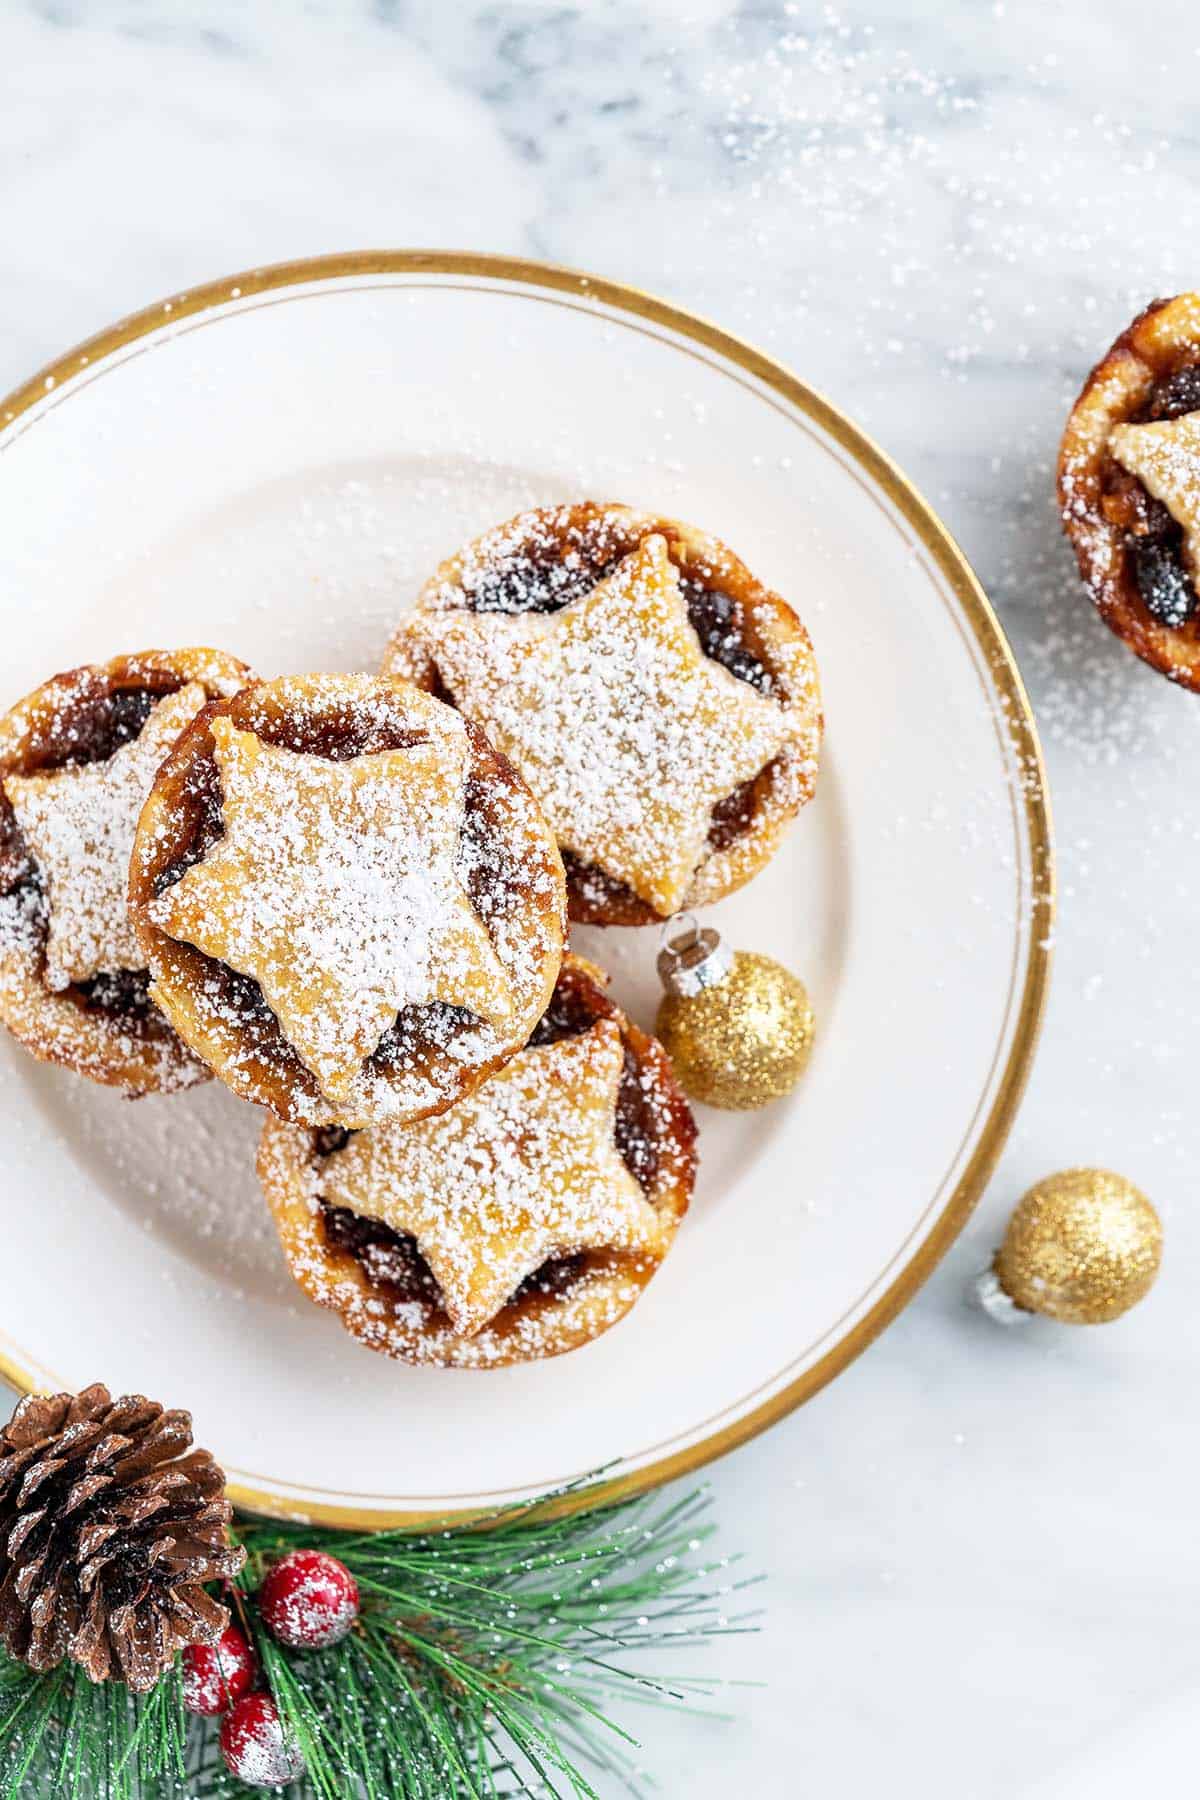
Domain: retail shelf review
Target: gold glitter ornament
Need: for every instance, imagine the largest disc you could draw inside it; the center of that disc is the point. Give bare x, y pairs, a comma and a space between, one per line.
1082, 1246
737, 1026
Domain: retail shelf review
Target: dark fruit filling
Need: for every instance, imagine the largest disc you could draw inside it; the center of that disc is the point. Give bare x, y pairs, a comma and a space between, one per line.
539, 578
1162, 578
1170, 399
1155, 538
392, 1258
107, 724
604, 893
117, 991
204, 824
384, 1254
400, 1047
395, 1261
123, 994
15, 861
733, 815
717, 621
571, 1010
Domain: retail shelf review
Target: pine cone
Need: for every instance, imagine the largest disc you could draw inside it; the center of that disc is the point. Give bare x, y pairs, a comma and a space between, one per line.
108, 1531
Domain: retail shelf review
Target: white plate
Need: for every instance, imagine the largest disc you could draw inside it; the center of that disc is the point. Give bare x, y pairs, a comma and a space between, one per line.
272, 465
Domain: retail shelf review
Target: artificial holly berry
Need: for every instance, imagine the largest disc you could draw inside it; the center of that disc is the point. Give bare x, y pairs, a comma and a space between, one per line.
255, 1745
308, 1600
215, 1675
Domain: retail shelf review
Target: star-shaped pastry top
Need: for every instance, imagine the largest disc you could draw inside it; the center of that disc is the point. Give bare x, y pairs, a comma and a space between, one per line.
336, 888
79, 823
523, 1170
1165, 457
626, 732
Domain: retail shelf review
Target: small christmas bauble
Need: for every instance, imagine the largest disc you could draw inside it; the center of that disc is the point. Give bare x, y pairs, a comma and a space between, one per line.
255, 1745
1082, 1246
215, 1675
308, 1600
737, 1026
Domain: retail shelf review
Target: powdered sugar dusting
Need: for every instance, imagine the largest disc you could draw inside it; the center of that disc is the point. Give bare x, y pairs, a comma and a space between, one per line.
523, 1170
336, 887
626, 733
104, 1046
596, 1301
79, 822
387, 905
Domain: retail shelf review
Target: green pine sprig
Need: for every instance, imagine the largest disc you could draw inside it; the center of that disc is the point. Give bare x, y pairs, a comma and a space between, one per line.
487, 1663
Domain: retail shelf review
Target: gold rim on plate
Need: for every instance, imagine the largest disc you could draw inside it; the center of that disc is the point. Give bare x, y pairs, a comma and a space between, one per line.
1015, 715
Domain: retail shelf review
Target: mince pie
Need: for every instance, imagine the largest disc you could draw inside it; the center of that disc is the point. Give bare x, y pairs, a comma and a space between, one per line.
77, 759
660, 702
1129, 486
520, 1224
351, 906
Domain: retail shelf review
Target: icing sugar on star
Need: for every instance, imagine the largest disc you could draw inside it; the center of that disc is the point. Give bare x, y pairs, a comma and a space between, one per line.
78, 822
628, 734
523, 1171
336, 887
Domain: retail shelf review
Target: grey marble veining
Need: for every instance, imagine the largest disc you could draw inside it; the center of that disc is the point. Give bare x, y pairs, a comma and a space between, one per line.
982, 1546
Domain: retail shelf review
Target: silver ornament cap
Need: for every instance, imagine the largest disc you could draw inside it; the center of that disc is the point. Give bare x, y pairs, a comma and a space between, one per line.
998, 1304
693, 958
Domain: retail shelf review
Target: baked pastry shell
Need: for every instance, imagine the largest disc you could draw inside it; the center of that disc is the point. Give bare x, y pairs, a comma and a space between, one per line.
252, 1057
54, 1027
536, 1324
769, 629
1162, 337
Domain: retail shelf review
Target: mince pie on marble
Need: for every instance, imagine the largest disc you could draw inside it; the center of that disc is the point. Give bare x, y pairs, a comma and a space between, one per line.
1129, 486
351, 906
660, 702
523, 1222
77, 760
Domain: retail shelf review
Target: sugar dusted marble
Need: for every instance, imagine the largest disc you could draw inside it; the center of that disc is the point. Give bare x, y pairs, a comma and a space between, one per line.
941, 215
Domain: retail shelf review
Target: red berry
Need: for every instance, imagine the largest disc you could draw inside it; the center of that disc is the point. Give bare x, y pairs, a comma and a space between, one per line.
255, 1745
215, 1675
308, 1600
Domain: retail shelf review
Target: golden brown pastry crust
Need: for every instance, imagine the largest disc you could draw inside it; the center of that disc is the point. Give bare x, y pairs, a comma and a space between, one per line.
1094, 493
222, 1016
562, 1308
133, 1050
547, 551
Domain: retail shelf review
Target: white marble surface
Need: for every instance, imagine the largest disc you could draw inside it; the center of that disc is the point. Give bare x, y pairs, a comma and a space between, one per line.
982, 1546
